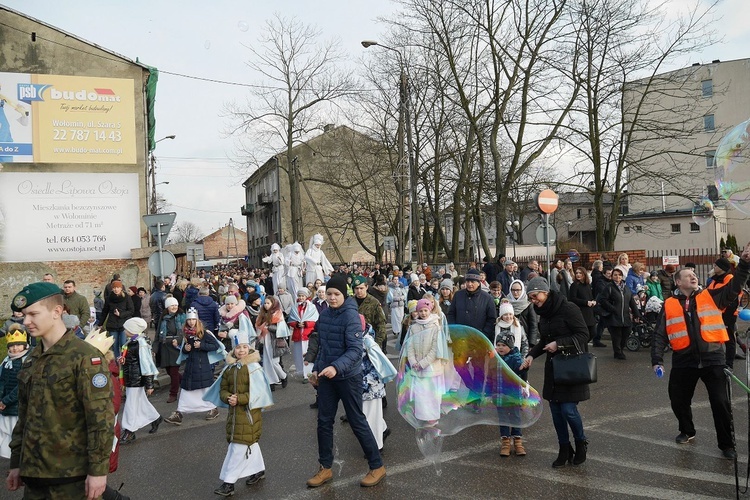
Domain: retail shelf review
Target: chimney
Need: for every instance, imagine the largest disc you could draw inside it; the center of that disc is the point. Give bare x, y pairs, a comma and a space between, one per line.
716, 61
328, 127
696, 64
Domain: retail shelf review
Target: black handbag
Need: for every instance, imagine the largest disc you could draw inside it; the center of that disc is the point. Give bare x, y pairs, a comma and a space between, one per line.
574, 368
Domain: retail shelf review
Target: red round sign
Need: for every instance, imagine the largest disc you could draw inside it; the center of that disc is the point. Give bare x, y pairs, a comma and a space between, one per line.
547, 201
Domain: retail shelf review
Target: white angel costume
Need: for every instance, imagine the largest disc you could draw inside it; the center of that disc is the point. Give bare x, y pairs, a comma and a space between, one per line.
317, 264
295, 265
278, 267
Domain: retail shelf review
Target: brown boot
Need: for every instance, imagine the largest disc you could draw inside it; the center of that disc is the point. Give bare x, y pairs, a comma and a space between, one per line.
519, 450
320, 478
373, 477
505, 447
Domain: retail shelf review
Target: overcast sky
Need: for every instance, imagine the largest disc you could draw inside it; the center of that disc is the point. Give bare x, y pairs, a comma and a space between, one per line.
204, 39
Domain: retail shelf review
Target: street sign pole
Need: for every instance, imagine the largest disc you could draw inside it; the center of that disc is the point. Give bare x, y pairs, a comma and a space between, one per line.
547, 201
161, 254
546, 240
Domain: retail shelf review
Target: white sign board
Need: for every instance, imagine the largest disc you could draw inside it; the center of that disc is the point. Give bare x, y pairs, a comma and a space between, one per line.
673, 260
68, 216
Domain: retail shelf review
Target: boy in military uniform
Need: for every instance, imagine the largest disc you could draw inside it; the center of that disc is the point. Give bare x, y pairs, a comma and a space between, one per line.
63, 384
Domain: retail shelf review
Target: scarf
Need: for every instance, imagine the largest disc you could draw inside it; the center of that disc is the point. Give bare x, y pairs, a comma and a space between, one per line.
522, 302
11, 357
190, 332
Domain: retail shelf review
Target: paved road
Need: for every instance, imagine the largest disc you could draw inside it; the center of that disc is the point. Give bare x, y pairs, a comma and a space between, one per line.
628, 421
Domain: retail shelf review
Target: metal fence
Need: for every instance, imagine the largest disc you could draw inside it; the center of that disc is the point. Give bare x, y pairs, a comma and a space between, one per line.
703, 258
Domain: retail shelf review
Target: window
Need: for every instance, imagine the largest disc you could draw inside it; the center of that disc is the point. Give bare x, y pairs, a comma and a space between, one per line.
578, 213
591, 212
676, 228
708, 123
713, 192
694, 228
221, 253
638, 229
710, 158
627, 229
707, 86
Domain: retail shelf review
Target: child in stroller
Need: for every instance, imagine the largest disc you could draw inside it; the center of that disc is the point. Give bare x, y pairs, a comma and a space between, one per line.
643, 332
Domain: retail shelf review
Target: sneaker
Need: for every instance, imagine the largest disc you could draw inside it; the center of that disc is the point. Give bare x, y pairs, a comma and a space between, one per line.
683, 438
255, 478
373, 477
212, 414
284, 382
175, 418
225, 490
386, 433
320, 478
620, 355
599, 344
729, 454
127, 438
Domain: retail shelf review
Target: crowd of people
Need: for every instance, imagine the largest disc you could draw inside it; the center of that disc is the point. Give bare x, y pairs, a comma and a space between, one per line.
215, 331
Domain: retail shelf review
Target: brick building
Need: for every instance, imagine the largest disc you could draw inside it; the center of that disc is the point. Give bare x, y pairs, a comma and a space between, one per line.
225, 243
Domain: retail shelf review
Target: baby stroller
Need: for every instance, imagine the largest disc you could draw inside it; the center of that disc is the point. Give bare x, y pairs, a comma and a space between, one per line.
643, 333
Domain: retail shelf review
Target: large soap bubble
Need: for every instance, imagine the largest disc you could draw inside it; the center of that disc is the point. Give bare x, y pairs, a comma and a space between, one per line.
703, 212
732, 167
463, 384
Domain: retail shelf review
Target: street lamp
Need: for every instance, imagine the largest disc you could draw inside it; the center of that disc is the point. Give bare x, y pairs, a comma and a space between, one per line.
511, 228
152, 175
404, 123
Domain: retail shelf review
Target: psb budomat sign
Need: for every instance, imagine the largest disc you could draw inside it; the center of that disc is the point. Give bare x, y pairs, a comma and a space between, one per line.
66, 119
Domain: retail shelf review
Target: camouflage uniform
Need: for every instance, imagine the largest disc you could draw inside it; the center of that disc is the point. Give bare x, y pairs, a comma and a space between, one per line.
65, 418
373, 313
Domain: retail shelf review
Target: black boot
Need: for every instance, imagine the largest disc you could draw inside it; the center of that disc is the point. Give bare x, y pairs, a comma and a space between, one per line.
580, 456
225, 490
565, 455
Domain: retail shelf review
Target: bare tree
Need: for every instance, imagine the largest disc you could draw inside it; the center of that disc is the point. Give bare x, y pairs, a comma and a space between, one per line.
630, 103
185, 232
302, 80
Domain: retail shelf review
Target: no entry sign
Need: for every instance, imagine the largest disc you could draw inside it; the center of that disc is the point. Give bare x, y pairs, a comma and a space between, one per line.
547, 201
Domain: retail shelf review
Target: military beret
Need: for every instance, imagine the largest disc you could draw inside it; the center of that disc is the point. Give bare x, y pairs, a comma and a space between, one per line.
33, 293
359, 280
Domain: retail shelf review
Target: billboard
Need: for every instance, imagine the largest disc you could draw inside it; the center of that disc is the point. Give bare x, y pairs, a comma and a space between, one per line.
68, 216
66, 119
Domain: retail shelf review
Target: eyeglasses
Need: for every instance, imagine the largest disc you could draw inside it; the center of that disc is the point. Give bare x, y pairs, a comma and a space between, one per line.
516, 290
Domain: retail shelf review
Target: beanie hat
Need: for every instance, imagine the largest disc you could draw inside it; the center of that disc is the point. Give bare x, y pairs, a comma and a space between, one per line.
171, 301
505, 308
115, 283
414, 278
338, 281
136, 326
303, 291
472, 275
70, 321
192, 313
230, 299
412, 305
134, 289
537, 284
446, 283
723, 264
505, 337
424, 304
33, 293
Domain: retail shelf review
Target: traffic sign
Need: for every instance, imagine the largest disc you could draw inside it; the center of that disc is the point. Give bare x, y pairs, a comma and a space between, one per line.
162, 258
389, 243
194, 252
574, 256
547, 201
159, 223
540, 234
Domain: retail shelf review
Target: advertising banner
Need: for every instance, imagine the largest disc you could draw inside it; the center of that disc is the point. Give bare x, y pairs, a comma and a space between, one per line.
68, 216
66, 119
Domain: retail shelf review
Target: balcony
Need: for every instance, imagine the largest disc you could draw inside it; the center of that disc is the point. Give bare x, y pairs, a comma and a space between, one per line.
265, 199
248, 209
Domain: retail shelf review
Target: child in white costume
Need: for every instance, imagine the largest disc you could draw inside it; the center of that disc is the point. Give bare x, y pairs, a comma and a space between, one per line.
138, 372
302, 318
244, 389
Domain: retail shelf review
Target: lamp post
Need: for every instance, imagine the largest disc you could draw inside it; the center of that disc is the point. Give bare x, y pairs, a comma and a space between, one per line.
511, 228
152, 175
404, 123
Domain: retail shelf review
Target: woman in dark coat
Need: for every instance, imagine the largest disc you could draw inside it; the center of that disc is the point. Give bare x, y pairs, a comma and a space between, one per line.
581, 294
117, 309
619, 302
167, 344
561, 327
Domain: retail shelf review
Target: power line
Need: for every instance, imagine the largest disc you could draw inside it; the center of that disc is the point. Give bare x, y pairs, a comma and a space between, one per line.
202, 210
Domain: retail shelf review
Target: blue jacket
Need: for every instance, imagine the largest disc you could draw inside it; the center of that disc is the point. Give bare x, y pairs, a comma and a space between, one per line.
199, 373
476, 310
191, 293
208, 312
634, 280
340, 340
9, 369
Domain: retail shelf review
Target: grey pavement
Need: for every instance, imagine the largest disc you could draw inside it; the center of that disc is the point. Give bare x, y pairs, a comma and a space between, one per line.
628, 422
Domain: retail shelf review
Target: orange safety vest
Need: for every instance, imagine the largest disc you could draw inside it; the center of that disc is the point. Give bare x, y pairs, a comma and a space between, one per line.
709, 316
714, 285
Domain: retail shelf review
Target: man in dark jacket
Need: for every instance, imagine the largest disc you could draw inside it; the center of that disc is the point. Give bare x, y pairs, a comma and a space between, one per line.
531, 267
598, 287
156, 302
698, 352
666, 278
506, 276
338, 370
475, 308
208, 310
